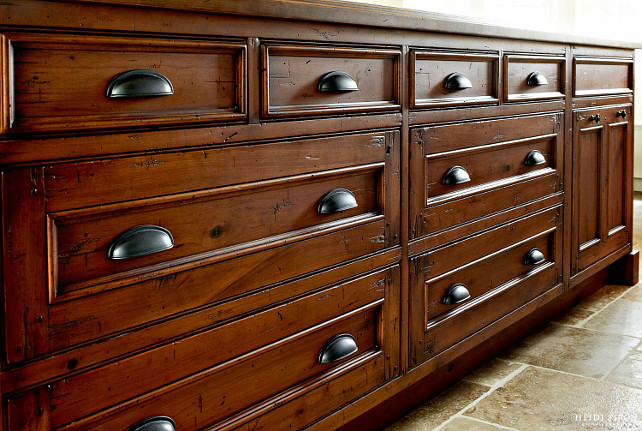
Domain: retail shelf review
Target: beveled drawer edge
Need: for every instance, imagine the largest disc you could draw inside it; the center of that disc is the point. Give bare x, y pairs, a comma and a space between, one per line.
422, 53
487, 296
560, 94
268, 47
602, 60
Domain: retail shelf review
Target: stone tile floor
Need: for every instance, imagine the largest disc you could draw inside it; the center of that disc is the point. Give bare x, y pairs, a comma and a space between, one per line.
582, 371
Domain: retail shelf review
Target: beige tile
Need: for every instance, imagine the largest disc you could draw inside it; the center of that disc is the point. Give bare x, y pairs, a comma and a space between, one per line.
440, 408
628, 372
602, 297
466, 424
492, 372
574, 316
574, 350
546, 400
634, 294
621, 317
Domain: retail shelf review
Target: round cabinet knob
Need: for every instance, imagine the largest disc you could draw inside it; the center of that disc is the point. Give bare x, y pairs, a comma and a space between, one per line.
621, 113
595, 118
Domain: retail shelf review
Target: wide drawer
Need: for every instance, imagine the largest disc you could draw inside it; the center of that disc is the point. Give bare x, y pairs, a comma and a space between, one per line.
533, 77
216, 243
470, 170
199, 380
64, 83
308, 80
459, 290
596, 76
449, 79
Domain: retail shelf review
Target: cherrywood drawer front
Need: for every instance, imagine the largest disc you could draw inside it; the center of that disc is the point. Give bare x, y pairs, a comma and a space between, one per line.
307, 80
85, 251
447, 258
98, 182
478, 314
595, 76
224, 390
501, 164
354, 307
448, 79
64, 83
513, 261
449, 284
486, 164
533, 78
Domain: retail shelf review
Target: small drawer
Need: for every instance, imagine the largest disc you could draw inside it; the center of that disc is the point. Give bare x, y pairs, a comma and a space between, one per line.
307, 80
124, 230
597, 76
66, 83
471, 170
449, 79
458, 291
197, 382
533, 77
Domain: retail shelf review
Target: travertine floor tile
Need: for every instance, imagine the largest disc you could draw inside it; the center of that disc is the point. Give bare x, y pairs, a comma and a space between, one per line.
602, 297
492, 372
466, 424
440, 408
545, 400
621, 317
574, 350
628, 372
634, 294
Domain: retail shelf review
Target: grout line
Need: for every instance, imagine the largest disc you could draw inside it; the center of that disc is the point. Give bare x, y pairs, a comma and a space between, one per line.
490, 390
599, 331
583, 322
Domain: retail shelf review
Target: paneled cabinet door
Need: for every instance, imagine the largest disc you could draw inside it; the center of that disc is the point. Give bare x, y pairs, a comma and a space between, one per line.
602, 186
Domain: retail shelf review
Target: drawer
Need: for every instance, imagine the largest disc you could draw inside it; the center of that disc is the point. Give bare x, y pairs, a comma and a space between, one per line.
315, 80
104, 255
459, 290
596, 76
471, 170
277, 353
533, 77
64, 83
449, 79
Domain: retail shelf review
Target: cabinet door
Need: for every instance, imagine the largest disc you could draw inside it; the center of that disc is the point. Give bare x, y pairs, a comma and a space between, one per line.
602, 183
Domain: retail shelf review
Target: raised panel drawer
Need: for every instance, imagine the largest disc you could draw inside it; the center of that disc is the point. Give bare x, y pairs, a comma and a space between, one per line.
219, 374
597, 76
221, 243
67, 83
467, 171
533, 77
307, 80
462, 289
449, 79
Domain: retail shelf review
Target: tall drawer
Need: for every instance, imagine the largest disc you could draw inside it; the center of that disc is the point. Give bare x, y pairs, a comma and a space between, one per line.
533, 77
63, 83
450, 79
315, 80
457, 291
595, 76
220, 243
466, 171
273, 354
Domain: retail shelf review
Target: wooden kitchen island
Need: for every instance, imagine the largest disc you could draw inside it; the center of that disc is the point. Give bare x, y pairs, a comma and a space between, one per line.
281, 214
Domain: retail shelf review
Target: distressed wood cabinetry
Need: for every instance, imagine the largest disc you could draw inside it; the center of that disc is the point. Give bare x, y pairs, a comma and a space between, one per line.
302, 215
